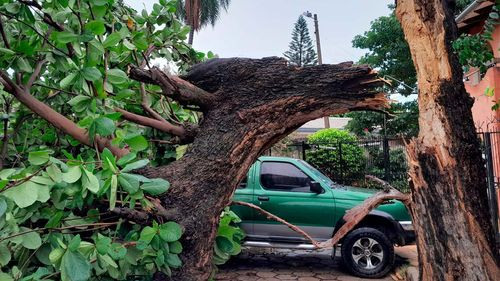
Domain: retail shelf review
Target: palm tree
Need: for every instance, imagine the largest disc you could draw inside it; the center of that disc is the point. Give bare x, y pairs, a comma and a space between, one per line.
199, 13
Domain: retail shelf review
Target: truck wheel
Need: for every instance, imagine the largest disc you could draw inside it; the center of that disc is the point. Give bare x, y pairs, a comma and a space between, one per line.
368, 253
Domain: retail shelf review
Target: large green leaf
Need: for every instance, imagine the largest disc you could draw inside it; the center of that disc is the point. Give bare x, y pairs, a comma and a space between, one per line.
113, 191
68, 80
112, 40
147, 234
23, 195
75, 266
31, 240
91, 74
137, 143
173, 260
104, 126
90, 181
54, 173
170, 231
155, 186
117, 76
129, 183
5, 276
3, 206
135, 165
96, 26
74, 174
5, 255
65, 37
39, 157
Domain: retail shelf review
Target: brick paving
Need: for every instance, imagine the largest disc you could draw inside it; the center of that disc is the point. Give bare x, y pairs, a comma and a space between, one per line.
258, 264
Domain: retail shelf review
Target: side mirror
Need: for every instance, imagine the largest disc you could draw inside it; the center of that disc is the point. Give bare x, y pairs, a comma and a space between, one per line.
315, 187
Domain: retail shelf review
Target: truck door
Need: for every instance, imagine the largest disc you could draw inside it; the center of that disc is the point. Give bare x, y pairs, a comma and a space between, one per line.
282, 188
244, 192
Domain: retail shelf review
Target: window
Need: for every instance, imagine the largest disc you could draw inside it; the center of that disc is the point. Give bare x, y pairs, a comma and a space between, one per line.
243, 183
282, 176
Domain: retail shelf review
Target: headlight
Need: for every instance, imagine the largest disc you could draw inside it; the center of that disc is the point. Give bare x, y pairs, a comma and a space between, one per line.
407, 225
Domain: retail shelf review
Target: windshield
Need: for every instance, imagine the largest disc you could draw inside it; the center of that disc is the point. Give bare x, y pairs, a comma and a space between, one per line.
317, 173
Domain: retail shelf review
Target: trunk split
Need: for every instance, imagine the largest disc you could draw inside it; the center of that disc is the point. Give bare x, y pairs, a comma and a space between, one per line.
255, 103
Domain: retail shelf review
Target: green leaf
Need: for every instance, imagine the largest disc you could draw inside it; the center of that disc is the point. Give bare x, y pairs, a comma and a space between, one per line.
112, 40
129, 183
54, 173
113, 191
65, 37
170, 231
155, 186
135, 165
175, 247
3, 206
56, 255
125, 159
39, 157
68, 80
108, 260
173, 260
90, 181
137, 143
31, 240
75, 266
43, 193
147, 234
5, 276
5, 255
117, 76
109, 161
7, 51
104, 126
91, 74
23, 195
224, 244
74, 243
74, 174
102, 244
96, 26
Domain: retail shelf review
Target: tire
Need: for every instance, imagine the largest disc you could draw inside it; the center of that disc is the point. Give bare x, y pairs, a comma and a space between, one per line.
368, 253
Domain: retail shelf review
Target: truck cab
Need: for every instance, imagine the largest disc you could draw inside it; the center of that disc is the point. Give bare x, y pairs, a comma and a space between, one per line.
300, 194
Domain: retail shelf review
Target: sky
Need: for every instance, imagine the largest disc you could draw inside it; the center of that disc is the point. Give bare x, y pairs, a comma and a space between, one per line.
263, 28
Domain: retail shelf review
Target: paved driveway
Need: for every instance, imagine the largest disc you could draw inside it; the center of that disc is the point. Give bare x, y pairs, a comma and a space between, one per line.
255, 264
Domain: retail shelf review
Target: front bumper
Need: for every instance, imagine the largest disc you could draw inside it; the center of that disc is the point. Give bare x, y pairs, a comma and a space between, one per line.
408, 232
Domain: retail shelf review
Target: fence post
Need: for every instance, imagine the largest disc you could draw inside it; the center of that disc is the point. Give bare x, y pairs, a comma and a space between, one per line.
303, 145
341, 163
387, 160
492, 195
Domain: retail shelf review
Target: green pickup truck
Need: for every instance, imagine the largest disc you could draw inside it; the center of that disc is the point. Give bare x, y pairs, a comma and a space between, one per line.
297, 192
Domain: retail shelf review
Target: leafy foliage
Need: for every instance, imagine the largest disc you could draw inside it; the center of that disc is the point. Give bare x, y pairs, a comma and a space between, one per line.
398, 167
389, 51
67, 211
301, 50
229, 237
336, 154
402, 122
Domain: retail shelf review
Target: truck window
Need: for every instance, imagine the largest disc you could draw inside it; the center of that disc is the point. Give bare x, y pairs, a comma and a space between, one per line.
243, 183
281, 176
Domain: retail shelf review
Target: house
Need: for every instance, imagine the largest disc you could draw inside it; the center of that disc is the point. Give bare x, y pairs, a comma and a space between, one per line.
313, 126
471, 21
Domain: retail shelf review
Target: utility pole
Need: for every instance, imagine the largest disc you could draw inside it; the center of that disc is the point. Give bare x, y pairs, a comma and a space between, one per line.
308, 14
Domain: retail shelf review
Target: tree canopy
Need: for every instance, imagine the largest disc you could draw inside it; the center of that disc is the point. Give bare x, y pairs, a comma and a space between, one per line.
301, 50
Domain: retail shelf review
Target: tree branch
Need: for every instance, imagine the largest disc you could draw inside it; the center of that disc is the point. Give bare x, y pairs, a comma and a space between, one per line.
153, 123
174, 87
4, 36
56, 119
36, 73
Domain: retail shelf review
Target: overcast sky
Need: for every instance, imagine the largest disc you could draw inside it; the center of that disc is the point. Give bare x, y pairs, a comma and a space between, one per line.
261, 28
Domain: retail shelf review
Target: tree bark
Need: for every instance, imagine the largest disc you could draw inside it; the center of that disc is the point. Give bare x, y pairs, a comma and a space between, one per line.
450, 208
255, 103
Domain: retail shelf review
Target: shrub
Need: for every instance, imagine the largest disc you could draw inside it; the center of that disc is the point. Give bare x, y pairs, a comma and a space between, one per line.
337, 154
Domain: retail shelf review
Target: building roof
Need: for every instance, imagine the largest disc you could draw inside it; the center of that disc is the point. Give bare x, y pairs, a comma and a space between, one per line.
474, 15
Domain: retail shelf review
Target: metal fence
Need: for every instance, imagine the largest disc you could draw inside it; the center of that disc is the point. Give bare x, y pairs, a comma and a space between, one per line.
348, 162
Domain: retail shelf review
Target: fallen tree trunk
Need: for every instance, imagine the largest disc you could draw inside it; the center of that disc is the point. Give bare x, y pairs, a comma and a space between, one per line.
253, 103
450, 208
